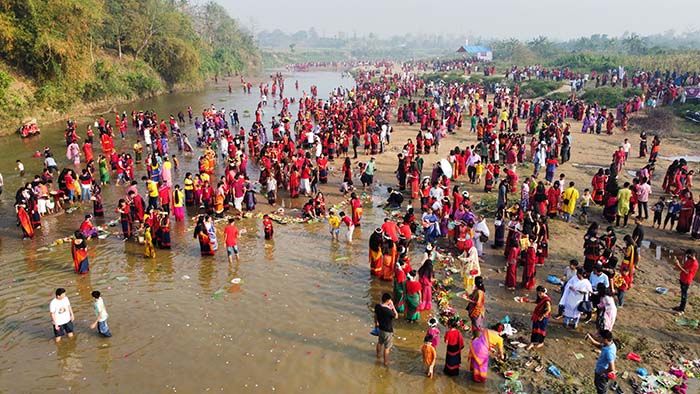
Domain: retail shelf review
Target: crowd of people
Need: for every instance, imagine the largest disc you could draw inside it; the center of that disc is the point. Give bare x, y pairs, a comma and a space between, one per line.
294, 154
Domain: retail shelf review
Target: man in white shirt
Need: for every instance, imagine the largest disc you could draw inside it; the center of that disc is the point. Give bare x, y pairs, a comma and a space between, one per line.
61, 315
626, 146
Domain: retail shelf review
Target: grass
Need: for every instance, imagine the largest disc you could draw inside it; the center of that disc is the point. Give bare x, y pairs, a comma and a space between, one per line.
538, 88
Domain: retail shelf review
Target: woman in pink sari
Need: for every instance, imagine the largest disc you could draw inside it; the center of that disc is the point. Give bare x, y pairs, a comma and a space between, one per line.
479, 353
425, 278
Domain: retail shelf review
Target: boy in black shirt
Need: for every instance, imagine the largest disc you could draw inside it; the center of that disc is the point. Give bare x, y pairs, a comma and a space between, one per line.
384, 315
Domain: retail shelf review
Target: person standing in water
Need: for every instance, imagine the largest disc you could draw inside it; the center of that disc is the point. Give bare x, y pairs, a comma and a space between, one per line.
384, 315
61, 315
101, 314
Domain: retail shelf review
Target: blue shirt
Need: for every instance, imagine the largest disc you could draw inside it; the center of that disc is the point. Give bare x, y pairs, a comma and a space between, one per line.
607, 356
602, 278
674, 207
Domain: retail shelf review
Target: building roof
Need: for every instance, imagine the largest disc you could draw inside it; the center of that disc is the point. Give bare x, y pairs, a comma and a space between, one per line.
473, 49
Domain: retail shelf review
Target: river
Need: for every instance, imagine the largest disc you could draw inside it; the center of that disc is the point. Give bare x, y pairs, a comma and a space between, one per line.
299, 321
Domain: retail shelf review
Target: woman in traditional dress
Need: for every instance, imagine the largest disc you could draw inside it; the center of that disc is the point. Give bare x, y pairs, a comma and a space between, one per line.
453, 353
540, 318
476, 305
413, 297
400, 287
630, 257
530, 261
425, 278
104, 170
479, 351
389, 254
598, 183
414, 181
81, 264
695, 229
686, 215
97, 208
149, 250
178, 204
471, 268
25, 222
500, 229
202, 235
356, 206
164, 227
375, 253
211, 231
553, 199
512, 260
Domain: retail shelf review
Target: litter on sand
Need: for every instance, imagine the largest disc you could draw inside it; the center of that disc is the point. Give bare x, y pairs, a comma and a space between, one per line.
236, 281
578, 356
218, 294
341, 258
552, 369
553, 279
661, 290
690, 323
121, 278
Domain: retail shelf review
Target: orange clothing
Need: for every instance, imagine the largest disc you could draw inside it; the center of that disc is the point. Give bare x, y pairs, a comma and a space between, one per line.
429, 354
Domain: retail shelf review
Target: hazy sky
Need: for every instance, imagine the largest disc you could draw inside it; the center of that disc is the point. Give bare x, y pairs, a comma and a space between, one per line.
486, 18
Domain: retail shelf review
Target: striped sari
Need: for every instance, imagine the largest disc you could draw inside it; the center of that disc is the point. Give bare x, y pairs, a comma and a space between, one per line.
412, 300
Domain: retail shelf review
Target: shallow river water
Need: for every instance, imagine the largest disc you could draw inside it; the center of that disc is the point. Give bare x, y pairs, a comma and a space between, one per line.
299, 321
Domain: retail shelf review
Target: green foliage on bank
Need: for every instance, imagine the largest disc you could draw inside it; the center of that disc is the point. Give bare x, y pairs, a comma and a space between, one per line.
609, 96
54, 54
538, 88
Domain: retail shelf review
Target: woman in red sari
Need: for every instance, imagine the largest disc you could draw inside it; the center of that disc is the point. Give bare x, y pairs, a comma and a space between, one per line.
685, 218
294, 182
375, 253
553, 196
81, 264
389, 255
598, 184
530, 260
356, 206
453, 354
414, 181
540, 318
24, 221
512, 260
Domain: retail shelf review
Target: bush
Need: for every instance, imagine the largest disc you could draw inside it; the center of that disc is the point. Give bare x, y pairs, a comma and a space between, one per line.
559, 96
586, 62
5, 81
55, 96
609, 96
537, 88
142, 84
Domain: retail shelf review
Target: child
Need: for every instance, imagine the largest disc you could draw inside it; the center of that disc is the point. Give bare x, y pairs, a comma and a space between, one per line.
308, 211
434, 332
479, 171
101, 314
658, 209
346, 187
176, 162
674, 209
334, 225
20, 168
429, 355
348, 222
271, 190
268, 230
585, 205
622, 282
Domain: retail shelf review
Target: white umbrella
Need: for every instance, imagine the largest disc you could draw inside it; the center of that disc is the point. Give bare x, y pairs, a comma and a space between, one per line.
446, 168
